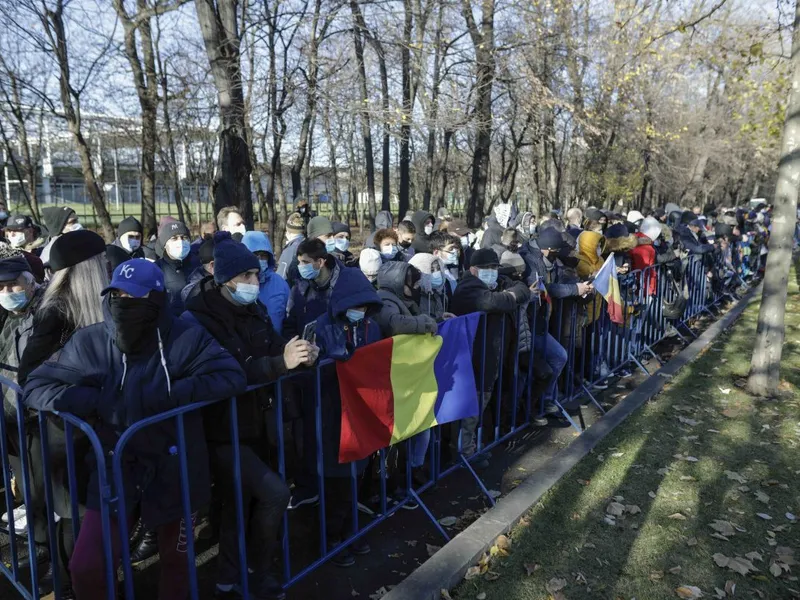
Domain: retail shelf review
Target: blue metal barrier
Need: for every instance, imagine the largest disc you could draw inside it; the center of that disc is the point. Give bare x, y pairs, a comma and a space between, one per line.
596, 348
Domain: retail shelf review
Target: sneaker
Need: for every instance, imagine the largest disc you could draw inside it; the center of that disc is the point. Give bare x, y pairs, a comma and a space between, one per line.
552, 409
600, 385
363, 508
360, 548
540, 421
261, 587
625, 373
301, 496
344, 559
147, 548
407, 501
18, 513
604, 370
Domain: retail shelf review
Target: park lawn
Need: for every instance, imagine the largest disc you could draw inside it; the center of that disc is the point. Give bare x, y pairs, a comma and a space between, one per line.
700, 452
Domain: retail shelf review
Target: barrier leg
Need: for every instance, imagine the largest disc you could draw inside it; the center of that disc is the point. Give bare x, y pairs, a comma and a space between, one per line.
429, 514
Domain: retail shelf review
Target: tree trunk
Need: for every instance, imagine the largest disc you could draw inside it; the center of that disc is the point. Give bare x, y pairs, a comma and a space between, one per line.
53, 23
483, 42
766, 362
366, 131
326, 122
408, 103
219, 25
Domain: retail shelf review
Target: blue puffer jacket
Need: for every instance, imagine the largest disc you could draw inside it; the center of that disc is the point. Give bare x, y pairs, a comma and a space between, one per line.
337, 338
92, 378
308, 301
274, 291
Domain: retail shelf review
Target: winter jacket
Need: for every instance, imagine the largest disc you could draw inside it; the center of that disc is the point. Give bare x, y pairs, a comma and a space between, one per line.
92, 378
589, 263
472, 295
383, 220
422, 241
247, 333
273, 289
17, 329
139, 252
191, 288
493, 235
643, 256
347, 258
287, 267
692, 243
399, 315
308, 300
337, 339
176, 277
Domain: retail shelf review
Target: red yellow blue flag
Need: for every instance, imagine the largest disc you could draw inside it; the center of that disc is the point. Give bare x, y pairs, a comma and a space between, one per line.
607, 285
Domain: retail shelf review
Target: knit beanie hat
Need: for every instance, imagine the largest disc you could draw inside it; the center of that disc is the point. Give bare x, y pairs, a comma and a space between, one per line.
206, 251
340, 228
424, 262
319, 226
512, 259
12, 263
616, 231
231, 258
550, 239
295, 224
75, 247
128, 225
170, 229
369, 261
485, 257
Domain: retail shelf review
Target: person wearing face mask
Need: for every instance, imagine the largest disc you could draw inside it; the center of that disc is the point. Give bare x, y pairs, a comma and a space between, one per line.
406, 234
321, 228
310, 296
482, 289
341, 245
57, 221
138, 362
128, 243
369, 261
423, 223
175, 261
348, 324
273, 290
466, 240
383, 220
229, 309
447, 247
230, 219
435, 293
22, 233
388, 245
295, 235
3, 214
399, 290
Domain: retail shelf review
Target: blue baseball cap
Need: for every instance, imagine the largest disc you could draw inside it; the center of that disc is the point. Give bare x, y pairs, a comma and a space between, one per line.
137, 277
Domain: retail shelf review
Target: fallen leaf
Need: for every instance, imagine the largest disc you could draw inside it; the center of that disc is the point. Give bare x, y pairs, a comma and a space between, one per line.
481, 596
530, 568
754, 556
448, 521
675, 570
691, 459
492, 576
445, 595
677, 517
472, 572
719, 536
354, 593
412, 543
762, 497
689, 592
737, 564
503, 542
685, 421
692, 541
582, 481
633, 509
687, 478
764, 516
651, 494
382, 591
775, 569
555, 585
725, 391
432, 549
723, 527
730, 587
735, 476
656, 575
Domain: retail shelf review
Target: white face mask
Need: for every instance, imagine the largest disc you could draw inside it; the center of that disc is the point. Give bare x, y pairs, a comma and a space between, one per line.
177, 249
239, 229
428, 229
16, 238
73, 227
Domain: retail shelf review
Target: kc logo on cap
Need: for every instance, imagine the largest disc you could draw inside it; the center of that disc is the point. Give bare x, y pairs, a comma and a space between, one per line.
128, 271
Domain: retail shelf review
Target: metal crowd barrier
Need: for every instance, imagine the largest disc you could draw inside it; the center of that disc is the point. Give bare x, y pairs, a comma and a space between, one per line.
596, 349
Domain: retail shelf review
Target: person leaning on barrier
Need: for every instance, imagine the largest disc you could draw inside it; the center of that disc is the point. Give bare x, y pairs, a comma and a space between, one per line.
348, 324
482, 290
70, 302
139, 362
228, 308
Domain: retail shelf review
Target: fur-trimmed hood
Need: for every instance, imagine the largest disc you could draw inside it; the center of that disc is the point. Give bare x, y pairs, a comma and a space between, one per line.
621, 244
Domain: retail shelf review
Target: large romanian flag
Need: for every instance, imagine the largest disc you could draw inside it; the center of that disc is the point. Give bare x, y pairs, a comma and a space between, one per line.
607, 285
406, 384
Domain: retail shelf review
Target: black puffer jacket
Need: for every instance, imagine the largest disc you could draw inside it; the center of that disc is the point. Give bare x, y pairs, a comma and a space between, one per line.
399, 315
176, 277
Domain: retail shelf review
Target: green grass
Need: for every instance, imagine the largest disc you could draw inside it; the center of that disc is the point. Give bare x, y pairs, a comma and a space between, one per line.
565, 535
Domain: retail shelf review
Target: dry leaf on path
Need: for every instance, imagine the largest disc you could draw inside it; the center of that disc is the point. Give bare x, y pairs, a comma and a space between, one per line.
616, 509
754, 556
723, 527
689, 592
530, 568
692, 541
725, 391
762, 497
432, 549
481, 596
555, 585
445, 595
633, 509
730, 587
737, 564
656, 575
675, 570
677, 517
382, 591
764, 516
735, 476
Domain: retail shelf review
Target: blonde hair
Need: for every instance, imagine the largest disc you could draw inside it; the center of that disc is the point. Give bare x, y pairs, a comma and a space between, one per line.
75, 292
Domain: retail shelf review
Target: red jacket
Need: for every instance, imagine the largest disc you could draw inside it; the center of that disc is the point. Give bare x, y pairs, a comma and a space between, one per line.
643, 256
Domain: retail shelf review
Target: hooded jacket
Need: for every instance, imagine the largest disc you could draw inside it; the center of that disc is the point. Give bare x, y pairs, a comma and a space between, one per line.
247, 333
493, 235
383, 220
422, 241
432, 302
309, 300
399, 315
91, 377
55, 218
287, 267
588, 264
643, 256
273, 289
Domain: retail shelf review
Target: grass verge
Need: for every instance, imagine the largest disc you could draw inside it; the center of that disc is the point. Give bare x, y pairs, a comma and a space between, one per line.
696, 492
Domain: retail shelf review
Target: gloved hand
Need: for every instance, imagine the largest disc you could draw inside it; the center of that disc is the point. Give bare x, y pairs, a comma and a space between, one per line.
429, 325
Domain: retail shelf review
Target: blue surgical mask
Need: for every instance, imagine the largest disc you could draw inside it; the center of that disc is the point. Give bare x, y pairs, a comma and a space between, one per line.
308, 271
245, 293
13, 301
178, 249
390, 254
488, 276
264, 265
355, 316
437, 280
342, 244
3, 215
330, 245
450, 258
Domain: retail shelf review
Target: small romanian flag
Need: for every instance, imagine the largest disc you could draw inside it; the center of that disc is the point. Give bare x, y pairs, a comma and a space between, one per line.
404, 385
607, 285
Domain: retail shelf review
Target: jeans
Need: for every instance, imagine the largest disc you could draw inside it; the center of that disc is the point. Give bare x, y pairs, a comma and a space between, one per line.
264, 500
469, 427
87, 565
418, 448
555, 356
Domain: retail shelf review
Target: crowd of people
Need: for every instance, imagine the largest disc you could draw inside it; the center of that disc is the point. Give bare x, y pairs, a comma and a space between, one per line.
120, 332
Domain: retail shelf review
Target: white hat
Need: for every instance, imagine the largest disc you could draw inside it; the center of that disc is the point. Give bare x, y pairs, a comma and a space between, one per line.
651, 227
635, 216
369, 261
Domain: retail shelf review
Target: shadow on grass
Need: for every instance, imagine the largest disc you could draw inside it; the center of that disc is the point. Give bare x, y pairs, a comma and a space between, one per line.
722, 429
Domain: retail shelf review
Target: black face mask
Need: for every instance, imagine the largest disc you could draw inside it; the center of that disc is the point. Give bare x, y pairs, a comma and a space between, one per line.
405, 245
135, 320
